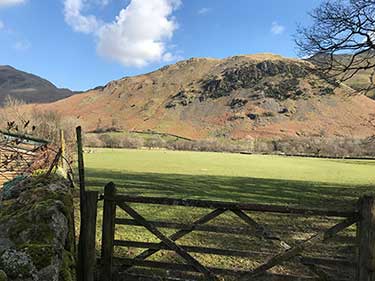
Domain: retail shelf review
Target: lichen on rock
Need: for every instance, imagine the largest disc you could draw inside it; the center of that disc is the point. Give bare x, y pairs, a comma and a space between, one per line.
36, 230
17, 264
3, 276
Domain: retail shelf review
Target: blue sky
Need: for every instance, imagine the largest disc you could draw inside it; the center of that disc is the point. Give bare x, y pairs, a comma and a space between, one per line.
80, 44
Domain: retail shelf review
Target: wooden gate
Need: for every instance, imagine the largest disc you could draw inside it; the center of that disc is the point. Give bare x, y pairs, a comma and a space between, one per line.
122, 268
17, 154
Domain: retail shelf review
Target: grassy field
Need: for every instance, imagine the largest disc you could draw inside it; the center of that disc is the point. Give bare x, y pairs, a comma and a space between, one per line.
222, 176
302, 182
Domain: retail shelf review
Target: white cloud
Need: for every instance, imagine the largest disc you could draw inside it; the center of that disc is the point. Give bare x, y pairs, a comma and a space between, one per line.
4, 3
22, 45
103, 2
2, 25
204, 11
139, 34
74, 17
134, 39
277, 28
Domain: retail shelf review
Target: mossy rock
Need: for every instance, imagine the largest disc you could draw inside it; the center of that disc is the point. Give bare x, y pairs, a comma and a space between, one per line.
3, 276
41, 254
17, 264
67, 272
37, 220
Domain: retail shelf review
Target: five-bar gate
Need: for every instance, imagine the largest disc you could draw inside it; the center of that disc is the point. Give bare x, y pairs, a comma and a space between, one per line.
121, 268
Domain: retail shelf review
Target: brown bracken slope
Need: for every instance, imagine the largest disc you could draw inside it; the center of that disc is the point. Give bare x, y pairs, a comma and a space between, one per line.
241, 97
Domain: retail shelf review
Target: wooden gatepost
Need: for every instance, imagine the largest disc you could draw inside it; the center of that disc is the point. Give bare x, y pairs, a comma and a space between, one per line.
86, 256
366, 237
108, 233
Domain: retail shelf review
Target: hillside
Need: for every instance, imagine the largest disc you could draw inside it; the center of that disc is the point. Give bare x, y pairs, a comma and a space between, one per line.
28, 87
360, 81
241, 97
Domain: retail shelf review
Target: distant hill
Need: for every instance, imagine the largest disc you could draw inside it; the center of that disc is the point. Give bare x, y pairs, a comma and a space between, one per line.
28, 87
361, 80
241, 97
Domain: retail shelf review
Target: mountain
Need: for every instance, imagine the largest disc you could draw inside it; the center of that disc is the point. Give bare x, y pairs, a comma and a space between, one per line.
240, 97
361, 80
28, 87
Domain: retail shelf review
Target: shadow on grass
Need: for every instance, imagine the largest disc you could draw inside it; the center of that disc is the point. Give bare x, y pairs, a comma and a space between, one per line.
238, 189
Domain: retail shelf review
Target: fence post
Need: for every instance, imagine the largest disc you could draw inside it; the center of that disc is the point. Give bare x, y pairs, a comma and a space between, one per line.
366, 239
89, 244
63, 151
108, 232
82, 195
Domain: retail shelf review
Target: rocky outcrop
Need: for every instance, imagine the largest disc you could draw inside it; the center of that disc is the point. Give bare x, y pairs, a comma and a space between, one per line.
182, 98
237, 103
36, 230
254, 80
250, 76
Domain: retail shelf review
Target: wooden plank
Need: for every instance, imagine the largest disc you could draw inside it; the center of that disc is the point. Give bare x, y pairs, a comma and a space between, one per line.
143, 277
267, 234
240, 230
89, 245
11, 149
14, 162
168, 242
181, 233
192, 249
190, 268
179, 275
260, 230
366, 237
236, 253
55, 162
328, 262
232, 205
25, 137
294, 251
108, 233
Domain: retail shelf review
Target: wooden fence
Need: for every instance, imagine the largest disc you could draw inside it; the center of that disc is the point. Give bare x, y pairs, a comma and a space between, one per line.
120, 268
17, 154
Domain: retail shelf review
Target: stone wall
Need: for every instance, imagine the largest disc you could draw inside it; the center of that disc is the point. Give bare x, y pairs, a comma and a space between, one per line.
37, 230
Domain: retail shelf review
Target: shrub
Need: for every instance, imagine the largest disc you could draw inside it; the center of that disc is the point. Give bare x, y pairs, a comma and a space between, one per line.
155, 141
131, 142
180, 145
110, 141
93, 140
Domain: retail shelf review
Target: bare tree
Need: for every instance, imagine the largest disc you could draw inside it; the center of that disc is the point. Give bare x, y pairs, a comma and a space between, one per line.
341, 39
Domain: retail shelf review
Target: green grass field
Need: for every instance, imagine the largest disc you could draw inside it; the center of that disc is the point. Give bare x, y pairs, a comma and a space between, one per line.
224, 176
302, 182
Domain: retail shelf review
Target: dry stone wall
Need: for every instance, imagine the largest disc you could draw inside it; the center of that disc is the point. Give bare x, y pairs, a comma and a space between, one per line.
37, 230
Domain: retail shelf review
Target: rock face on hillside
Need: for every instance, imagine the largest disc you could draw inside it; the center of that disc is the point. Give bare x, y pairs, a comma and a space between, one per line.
269, 79
254, 76
28, 87
36, 230
241, 97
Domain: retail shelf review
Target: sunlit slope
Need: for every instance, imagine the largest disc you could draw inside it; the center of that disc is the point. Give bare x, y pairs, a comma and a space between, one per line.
241, 97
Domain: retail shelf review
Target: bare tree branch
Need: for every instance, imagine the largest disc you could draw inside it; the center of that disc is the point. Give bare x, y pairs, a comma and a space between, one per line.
341, 39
